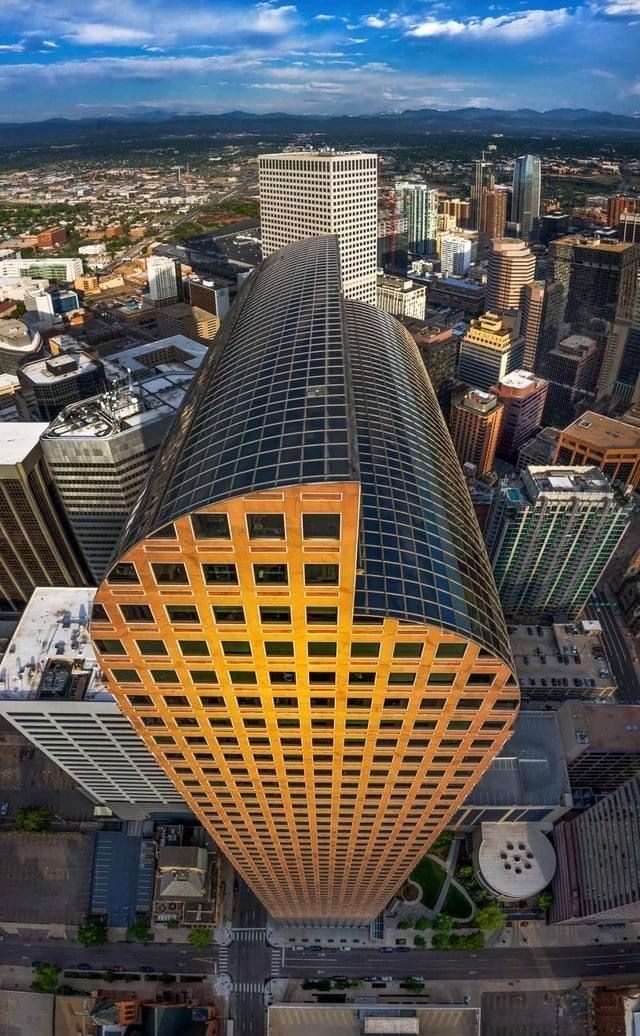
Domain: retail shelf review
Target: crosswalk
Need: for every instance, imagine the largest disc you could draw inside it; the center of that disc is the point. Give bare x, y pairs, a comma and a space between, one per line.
223, 960
249, 935
277, 955
248, 987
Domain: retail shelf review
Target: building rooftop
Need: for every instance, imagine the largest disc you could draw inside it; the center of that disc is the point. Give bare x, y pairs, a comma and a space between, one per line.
577, 344
604, 432
479, 401
18, 439
14, 334
353, 1019
50, 655
61, 368
564, 651
530, 770
610, 728
555, 480
602, 244
400, 284
520, 381
515, 860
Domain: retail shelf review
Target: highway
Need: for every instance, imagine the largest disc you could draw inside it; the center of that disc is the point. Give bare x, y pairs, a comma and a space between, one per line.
616, 647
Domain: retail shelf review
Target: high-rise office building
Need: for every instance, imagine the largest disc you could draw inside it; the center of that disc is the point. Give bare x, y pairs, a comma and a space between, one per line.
611, 444
523, 396
525, 204
36, 546
209, 296
600, 744
99, 451
322, 696
190, 321
494, 215
457, 209
49, 384
532, 301
488, 352
551, 532
455, 255
165, 280
53, 692
600, 279
17, 345
598, 870
511, 267
419, 204
476, 417
570, 368
303, 194
439, 351
617, 206
402, 297
483, 180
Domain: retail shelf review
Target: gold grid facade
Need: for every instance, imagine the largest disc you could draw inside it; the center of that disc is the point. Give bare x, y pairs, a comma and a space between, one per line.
322, 754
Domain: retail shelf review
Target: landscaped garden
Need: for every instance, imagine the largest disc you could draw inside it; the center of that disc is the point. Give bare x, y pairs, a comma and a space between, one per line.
456, 904
430, 876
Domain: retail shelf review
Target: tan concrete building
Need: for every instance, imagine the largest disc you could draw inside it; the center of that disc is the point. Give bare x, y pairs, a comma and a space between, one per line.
183, 319
401, 297
489, 351
523, 396
476, 419
511, 266
613, 445
322, 698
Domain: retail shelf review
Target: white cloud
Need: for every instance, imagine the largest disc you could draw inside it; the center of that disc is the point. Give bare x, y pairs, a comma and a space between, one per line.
621, 7
325, 18
508, 28
101, 34
373, 21
13, 48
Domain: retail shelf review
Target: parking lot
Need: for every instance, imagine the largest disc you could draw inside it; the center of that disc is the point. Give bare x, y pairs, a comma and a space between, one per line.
534, 1013
28, 776
45, 877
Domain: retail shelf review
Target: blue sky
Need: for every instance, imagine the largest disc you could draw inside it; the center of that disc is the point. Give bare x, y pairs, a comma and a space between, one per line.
86, 57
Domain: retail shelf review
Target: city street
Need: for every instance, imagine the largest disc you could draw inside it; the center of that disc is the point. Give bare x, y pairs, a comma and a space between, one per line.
616, 647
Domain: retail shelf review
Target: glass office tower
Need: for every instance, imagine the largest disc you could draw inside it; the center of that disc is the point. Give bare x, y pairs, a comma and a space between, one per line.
301, 622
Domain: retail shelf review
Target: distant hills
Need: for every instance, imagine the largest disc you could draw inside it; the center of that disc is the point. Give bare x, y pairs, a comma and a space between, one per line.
145, 126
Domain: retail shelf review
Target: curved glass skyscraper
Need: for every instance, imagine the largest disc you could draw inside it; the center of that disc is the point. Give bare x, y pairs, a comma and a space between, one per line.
525, 205
302, 622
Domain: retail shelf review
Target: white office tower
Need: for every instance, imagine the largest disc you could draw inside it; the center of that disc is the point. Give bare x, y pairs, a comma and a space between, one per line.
165, 283
525, 204
311, 193
455, 255
54, 692
419, 204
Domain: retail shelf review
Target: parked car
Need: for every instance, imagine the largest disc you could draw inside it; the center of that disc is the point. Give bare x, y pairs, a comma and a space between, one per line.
4, 809
387, 949
147, 971
117, 967
345, 949
403, 949
84, 967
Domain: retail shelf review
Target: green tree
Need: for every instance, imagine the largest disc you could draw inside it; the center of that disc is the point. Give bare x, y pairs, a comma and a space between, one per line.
46, 980
413, 985
32, 818
109, 975
475, 941
545, 900
419, 941
422, 924
94, 932
440, 941
139, 931
173, 922
443, 923
406, 922
490, 918
166, 978
200, 938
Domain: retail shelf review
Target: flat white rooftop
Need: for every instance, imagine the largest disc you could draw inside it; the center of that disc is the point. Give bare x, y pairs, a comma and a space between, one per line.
50, 655
516, 860
17, 439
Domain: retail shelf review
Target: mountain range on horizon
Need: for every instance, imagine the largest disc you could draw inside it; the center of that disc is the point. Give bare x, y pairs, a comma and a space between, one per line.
146, 124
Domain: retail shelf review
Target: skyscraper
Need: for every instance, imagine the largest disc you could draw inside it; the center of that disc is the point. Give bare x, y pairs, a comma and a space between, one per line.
419, 204
455, 254
303, 194
476, 418
599, 277
551, 532
522, 395
36, 545
488, 352
483, 180
511, 266
304, 601
165, 280
525, 206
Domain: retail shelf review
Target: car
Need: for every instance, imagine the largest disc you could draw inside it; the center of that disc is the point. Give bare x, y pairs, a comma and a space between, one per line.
84, 967
35, 963
4, 809
315, 948
345, 949
387, 949
298, 947
403, 949
147, 971
117, 967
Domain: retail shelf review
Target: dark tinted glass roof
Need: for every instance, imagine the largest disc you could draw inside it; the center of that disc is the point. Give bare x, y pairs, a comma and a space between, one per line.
302, 387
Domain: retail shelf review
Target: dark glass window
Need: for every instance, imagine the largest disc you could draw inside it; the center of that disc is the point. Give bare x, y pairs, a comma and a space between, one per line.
322, 649
237, 676
276, 676
176, 701
228, 613
405, 649
321, 575
136, 613
362, 678
164, 739
321, 616
254, 722
480, 679
395, 703
275, 613
182, 613
441, 679
164, 676
285, 703
152, 647
320, 677
236, 647
365, 650
124, 572
271, 575
210, 526
358, 703
212, 701
169, 573
450, 650
432, 703
203, 675
140, 700
459, 724
126, 675
469, 703
153, 721
402, 678
321, 526
98, 612
167, 532
194, 647
505, 704
265, 526
110, 647
249, 703
278, 648
220, 574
